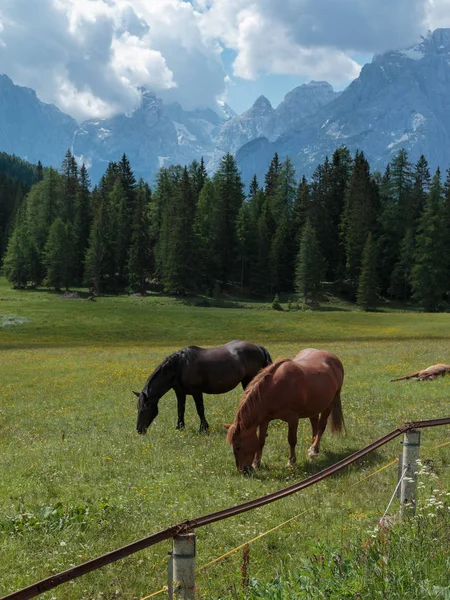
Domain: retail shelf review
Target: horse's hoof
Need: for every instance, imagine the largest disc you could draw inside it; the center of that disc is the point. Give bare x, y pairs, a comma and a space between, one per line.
256, 465
180, 426
203, 426
312, 452
291, 463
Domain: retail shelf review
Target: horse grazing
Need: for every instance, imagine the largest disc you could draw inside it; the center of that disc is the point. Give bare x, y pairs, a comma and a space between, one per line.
196, 371
308, 386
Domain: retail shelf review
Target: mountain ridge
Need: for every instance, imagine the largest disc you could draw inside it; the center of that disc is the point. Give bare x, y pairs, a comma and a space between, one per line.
399, 100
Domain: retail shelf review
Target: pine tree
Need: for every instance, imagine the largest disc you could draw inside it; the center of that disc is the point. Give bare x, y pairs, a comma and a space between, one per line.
97, 261
140, 258
310, 267
198, 176
15, 263
254, 187
69, 173
39, 171
400, 286
271, 178
282, 251
260, 276
397, 196
366, 296
359, 216
429, 274
82, 221
59, 256
229, 198
204, 237
180, 274
300, 210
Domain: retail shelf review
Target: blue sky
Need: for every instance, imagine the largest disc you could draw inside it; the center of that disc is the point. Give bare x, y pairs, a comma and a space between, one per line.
91, 57
243, 92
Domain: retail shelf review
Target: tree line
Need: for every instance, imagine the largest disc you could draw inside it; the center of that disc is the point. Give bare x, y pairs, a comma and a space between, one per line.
373, 234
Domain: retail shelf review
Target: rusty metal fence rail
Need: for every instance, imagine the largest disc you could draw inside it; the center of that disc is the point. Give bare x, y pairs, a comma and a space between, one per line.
49, 583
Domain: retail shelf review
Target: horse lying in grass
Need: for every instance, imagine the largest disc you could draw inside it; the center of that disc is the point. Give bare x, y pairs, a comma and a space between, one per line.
427, 374
307, 387
196, 371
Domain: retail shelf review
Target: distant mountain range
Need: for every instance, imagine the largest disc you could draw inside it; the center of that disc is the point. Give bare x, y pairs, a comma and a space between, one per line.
400, 100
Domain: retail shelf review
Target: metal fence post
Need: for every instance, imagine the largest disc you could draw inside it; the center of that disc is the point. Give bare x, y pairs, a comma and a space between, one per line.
411, 445
183, 558
169, 576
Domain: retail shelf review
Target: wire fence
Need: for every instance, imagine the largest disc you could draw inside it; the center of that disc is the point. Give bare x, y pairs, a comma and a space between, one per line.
51, 582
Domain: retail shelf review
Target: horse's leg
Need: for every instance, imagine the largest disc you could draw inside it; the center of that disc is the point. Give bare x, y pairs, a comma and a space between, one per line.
292, 439
198, 399
314, 425
262, 440
181, 405
314, 450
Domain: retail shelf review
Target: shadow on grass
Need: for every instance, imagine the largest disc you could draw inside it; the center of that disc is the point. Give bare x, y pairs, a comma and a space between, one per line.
305, 468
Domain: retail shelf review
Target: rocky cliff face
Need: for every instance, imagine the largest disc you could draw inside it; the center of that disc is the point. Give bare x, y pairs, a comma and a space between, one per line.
400, 100
31, 129
262, 120
152, 136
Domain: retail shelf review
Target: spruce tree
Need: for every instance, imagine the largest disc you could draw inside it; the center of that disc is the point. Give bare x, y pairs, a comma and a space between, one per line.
359, 216
140, 256
244, 239
271, 178
82, 221
204, 237
69, 173
98, 254
229, 198
254, 187
429, 274
397, 214
311, 266
366, 296
15, 263
59, 255
180, 275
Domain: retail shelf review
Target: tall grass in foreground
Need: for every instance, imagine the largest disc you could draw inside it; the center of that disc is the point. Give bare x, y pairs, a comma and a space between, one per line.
395, 560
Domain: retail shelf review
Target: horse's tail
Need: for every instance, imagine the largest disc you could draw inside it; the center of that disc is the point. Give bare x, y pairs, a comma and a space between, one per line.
266, 356
337, 418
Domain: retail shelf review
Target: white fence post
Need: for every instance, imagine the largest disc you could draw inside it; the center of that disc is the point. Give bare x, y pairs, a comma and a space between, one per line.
183, 560
411, 445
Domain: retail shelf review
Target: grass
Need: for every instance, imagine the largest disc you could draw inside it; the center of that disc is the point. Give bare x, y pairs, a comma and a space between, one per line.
77, 481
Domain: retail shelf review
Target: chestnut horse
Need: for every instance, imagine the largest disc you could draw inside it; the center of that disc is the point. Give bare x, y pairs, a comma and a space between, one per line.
196, 371
309, 386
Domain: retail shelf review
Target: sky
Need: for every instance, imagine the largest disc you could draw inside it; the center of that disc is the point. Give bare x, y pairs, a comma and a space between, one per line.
91, 57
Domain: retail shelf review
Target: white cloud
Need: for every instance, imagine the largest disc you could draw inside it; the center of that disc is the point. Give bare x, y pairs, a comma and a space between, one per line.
312, 37
439, 14
89, 56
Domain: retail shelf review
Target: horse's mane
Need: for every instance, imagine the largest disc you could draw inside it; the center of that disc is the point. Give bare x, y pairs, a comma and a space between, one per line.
251, 399
173, 361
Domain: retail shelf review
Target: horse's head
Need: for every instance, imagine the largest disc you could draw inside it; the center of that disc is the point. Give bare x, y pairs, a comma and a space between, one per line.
245, 446
147, 411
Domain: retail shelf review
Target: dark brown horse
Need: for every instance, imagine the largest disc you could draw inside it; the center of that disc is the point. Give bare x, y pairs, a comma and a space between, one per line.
196, 371
307, 387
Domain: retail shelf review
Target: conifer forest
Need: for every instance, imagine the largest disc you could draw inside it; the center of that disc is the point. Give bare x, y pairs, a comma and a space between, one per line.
371, 235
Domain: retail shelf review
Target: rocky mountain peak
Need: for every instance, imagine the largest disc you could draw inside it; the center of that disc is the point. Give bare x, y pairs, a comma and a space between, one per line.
262, 104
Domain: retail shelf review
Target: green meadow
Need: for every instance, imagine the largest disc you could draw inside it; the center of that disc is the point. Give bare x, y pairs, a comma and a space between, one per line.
77, 481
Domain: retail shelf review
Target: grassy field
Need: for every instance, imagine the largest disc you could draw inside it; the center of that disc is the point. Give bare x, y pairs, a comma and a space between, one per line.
77, 481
